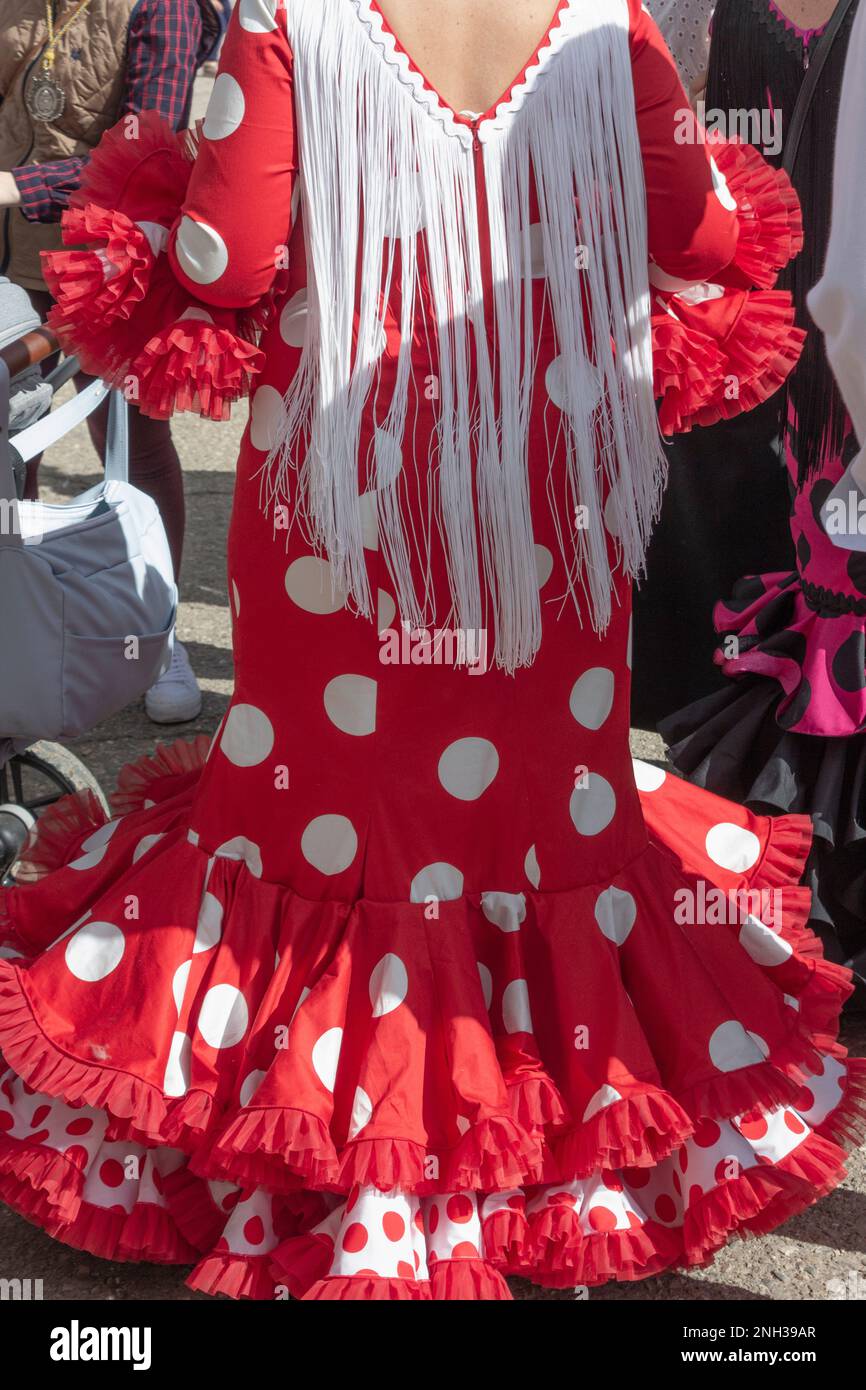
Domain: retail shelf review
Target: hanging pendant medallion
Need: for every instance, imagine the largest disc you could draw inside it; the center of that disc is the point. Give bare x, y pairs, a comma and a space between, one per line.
45, 99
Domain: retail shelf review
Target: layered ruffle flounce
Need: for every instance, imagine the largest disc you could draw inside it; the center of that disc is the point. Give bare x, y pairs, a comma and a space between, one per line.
735, 743
722, 348
119, 307
397, 1100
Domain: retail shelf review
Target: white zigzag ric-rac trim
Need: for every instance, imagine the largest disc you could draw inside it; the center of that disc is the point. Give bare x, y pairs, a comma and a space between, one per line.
570, 19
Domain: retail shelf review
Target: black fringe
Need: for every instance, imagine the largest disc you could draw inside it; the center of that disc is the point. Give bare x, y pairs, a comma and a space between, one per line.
755, 61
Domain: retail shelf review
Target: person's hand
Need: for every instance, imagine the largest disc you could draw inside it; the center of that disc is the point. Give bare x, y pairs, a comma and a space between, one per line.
698, 89
9, 194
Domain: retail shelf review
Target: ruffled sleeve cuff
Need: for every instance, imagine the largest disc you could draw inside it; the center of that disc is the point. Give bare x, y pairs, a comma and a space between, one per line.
120, 308
722, 348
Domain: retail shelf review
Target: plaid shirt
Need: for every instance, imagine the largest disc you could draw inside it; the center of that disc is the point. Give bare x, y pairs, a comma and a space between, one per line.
167, 41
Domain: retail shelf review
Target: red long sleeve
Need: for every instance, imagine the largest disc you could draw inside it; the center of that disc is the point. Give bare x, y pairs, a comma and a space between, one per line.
237, 215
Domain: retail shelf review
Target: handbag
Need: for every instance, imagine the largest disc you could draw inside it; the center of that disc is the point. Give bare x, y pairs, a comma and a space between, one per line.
87, 592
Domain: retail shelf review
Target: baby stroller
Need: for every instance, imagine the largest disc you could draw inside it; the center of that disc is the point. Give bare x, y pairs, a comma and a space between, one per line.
98, 568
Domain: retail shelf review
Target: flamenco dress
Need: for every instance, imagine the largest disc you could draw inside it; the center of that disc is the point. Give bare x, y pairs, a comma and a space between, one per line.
389, 992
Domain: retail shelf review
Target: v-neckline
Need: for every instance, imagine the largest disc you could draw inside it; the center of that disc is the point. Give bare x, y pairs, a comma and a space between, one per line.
379, 28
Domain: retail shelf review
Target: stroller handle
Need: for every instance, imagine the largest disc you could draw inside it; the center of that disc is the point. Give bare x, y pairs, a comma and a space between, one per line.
29, 349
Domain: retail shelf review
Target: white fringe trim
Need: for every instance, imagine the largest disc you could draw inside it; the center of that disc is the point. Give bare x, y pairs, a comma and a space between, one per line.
383, 158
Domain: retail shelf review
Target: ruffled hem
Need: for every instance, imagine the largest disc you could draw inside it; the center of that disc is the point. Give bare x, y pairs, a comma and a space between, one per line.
235, 1276
784, 638
248, 1180
769, 215
369, 1289
633, 1133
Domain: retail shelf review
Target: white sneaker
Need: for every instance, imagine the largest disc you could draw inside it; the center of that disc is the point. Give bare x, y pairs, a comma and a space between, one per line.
175, 697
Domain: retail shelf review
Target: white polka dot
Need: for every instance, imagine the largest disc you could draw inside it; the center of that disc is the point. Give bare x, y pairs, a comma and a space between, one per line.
387, 610
224, 1017
248, 736
505, 910
604, 1096
326, 1057
592, 806
293, 320
611, 516
210, 924
329, 843
591, 698
441, 881
368, 506
762, 944
176, 1081
266, 417
720, 187
467, 767
308, 584
257, 16
731, 1047
242, 848
179, 982
486, 979
732, 847
362, 1112
515, 1008
196, 313
94, 847
543, 564
237, 599
201, 252
615, 913
647, 777
587, 386
530, 867
389, 985
94, 951
146, 843
350, 704
250, 1086
792, 1002
225, 110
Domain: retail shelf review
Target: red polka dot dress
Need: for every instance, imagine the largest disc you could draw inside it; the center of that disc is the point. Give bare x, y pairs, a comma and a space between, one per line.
412, 979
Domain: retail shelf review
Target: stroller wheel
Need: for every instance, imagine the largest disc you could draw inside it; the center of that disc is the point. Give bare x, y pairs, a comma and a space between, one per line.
29, 783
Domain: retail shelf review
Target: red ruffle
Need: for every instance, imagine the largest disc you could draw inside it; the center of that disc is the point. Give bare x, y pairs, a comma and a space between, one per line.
119, 306
367, 1289
717, 355
50, 1174
146, 1233
458, 1281
768, 211
303, 1262
272, 1148
505, 1235
160, 775
760, 1199
127, 1098
846, 1125
634, 1132
237, 1276
559, 1255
